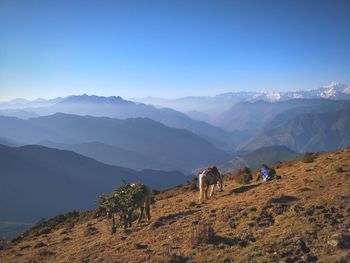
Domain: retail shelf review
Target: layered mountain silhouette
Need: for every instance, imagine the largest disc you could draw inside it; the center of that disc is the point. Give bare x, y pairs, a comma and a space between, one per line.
174, 149
110, 154
307, 132
117, 107
252, 117
217, 104
22, 114
37, 181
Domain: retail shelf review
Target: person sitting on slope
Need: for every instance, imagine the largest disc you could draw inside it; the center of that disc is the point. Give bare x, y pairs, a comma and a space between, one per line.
265, 170
266, 173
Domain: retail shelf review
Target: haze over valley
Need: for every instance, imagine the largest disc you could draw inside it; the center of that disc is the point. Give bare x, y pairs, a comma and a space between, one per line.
221, 127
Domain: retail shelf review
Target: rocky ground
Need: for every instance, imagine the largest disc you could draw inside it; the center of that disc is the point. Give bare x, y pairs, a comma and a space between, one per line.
303, 217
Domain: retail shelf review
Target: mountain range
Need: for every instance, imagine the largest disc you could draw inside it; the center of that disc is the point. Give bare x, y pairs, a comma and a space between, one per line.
37, 181
213, 106
253, 117
80, 146
160, 146
306, 132
116, 107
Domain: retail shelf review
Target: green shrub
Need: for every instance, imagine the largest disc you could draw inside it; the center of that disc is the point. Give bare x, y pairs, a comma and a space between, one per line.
122, 201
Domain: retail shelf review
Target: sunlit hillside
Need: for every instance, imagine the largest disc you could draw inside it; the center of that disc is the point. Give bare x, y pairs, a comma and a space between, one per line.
302, 217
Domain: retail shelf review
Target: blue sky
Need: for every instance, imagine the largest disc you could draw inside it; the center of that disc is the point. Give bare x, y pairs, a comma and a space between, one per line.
137, 48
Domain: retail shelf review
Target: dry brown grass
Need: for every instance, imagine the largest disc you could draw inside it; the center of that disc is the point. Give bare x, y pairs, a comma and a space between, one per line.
294, 219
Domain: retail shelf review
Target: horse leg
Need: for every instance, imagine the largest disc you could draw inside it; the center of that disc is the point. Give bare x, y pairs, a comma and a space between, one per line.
201, 189
130, 219
141, 214
114, 229
201, 194
211, 190
148, 214
206, 192
125, 220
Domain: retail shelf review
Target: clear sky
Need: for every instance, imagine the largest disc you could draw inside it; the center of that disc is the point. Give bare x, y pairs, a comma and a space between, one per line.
167, 48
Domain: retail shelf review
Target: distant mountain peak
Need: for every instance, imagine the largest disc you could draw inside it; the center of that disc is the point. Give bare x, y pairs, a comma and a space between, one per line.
93, 99
335, 85
333, 89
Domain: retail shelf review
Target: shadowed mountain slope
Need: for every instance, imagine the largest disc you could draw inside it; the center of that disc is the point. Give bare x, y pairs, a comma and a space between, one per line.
37, 182
109, 154
253, 117
307, 132
255, 159
268, 155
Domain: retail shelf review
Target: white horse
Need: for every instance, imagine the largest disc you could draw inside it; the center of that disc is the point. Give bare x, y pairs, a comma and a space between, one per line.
210, 177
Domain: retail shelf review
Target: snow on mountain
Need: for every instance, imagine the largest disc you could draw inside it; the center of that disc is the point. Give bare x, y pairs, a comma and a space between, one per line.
211, 106
332, 90
347, 90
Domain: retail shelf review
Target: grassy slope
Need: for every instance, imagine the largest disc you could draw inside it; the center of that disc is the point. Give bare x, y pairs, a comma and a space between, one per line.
287, 220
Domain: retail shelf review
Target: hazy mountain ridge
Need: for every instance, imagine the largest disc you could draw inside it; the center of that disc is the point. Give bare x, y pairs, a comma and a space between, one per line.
175, 149
38, 182
218, 104
117, 107
22, 114
24, 103
109, 154
253, 117
307, 132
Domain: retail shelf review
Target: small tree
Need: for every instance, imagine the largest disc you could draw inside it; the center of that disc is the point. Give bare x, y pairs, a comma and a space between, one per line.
123, 201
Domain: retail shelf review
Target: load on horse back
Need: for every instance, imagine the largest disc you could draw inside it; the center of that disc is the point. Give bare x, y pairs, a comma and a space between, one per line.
209, 178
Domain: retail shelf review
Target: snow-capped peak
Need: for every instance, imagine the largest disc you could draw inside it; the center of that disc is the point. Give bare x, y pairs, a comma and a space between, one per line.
347, 90
332, 89
272, 96
335, 85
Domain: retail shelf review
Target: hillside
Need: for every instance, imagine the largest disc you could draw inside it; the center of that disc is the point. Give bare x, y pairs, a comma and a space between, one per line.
303, 217
37, 181
256, 116
268, 155
254, 160
307, 132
